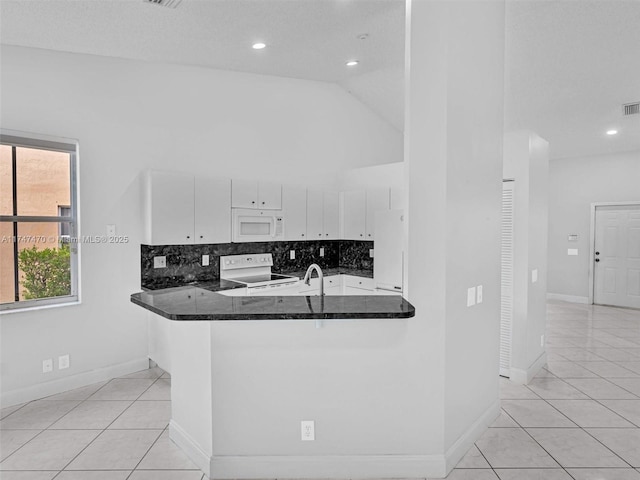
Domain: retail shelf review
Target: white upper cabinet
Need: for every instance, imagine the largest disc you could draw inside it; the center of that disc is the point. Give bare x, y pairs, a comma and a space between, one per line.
170, 210
323, 215
377, 199
269, 196
354, 215
184, 210
331, 215
315, 229
244, 194
294, 207
212, 210
254, 194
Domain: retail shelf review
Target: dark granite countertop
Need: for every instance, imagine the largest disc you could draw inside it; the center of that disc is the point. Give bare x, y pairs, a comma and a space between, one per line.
196, 303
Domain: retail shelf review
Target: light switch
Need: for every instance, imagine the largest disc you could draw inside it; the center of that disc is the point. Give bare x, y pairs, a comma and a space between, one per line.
534, 275
479, 294
205, 260
292, 254
471, 296
160, 262
371, 253
572, 251
322, 251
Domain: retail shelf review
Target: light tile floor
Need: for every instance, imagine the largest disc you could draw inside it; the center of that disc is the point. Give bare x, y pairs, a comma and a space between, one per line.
579, 419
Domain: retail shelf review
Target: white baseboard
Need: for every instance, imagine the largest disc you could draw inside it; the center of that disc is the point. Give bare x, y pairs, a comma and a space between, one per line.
191, 448
328, 466
63, 384
461, 446
567, 298
523, 377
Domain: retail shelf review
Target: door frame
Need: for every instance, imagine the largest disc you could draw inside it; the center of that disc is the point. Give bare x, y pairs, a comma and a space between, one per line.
592, 239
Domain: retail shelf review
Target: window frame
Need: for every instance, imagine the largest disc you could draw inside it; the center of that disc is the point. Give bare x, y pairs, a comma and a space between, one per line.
59, 144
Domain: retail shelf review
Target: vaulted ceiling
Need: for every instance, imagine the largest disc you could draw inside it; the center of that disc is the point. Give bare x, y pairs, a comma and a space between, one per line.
569, 65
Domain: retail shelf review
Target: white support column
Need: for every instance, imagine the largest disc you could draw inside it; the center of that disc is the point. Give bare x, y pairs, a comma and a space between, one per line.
453, 161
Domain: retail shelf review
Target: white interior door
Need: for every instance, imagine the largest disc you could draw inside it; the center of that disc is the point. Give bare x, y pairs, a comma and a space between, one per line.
506, 279
617, 256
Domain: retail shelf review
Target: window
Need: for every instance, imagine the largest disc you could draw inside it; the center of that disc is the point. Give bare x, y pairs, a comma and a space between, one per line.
38, 221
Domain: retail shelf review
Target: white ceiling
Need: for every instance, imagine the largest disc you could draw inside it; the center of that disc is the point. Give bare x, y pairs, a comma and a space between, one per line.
569, 64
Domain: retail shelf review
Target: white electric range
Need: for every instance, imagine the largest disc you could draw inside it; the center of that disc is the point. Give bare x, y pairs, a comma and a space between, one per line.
254, 271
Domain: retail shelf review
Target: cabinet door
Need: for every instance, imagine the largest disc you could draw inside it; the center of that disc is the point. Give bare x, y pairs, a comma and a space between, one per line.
314, 215
377, 199
294, 206
331, 215
172, 210
212, 210
269, 196
398, 199
354, 215
244, 194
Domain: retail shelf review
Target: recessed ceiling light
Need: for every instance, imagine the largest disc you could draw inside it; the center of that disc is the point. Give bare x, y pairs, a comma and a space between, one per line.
258, 46
612, 132
352, 63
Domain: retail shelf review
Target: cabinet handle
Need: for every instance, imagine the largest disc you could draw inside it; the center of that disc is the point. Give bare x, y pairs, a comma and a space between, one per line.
326, 234
252, 202
201, 236
302, 235
369, 234
188, 236
319, 234
361, 235
263, 203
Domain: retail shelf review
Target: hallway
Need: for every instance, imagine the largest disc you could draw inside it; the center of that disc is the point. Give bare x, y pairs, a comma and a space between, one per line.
580, 417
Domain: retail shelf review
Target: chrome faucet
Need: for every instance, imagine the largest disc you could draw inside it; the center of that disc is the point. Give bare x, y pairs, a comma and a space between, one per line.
307, 276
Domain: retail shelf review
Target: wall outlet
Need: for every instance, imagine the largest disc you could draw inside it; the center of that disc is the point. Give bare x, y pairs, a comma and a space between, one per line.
307, 430
111, 230
205, 260
47, 365
479, 294
292, 254
63, 362
371, 253
322, 251
542, 340
572, 251
160, 262
471, 296
534, 275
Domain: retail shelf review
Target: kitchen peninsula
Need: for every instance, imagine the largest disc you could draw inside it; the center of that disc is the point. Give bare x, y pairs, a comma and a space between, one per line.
203, 303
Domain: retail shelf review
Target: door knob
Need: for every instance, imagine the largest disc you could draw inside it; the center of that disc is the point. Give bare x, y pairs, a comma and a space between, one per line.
597, 259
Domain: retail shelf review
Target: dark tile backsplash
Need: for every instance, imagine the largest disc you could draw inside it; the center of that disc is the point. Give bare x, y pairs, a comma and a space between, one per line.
183, 261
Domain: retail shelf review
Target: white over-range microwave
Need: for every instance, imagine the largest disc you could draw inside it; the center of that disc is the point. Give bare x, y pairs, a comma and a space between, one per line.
257, 225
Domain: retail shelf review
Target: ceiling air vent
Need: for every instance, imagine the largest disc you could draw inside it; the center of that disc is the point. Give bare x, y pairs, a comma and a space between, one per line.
164, 3
631, 108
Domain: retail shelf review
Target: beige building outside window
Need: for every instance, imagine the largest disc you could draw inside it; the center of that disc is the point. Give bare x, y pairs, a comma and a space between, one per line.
38, 222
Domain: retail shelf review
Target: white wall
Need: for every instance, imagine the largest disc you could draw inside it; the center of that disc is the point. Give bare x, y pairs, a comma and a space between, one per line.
575, 183
526, 162
129, 116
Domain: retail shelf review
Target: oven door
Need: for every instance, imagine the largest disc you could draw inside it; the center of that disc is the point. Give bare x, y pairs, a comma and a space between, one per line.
257, 226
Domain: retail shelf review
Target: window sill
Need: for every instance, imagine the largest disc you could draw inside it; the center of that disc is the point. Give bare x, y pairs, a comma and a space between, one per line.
17, 308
